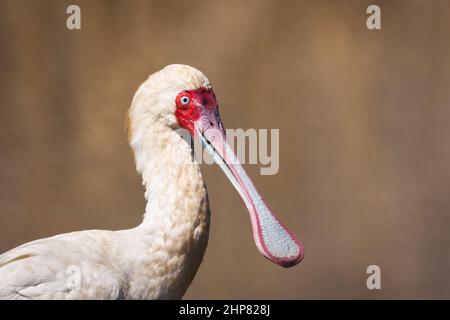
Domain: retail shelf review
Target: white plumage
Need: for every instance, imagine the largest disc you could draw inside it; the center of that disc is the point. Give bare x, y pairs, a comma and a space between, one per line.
159, 258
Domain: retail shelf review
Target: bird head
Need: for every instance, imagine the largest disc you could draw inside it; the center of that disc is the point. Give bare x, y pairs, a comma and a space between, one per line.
175, 97
180, 96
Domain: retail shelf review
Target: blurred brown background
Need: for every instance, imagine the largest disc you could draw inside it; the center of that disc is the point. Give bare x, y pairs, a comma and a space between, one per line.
364, 120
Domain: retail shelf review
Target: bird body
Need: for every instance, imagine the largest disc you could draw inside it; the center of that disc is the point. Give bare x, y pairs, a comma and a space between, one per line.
159, 258
156, 260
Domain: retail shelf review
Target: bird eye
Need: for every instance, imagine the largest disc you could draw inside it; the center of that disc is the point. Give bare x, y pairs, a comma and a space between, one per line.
185, 100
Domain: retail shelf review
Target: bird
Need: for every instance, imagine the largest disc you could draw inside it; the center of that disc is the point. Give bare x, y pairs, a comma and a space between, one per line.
159, 258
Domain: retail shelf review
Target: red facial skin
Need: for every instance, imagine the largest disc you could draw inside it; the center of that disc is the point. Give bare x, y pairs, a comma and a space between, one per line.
201, 100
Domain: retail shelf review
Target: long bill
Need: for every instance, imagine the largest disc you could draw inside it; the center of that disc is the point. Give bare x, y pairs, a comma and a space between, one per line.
274, 240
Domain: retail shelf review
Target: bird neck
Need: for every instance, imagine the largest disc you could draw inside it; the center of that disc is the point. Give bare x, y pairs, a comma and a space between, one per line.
174, 187
172, 239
